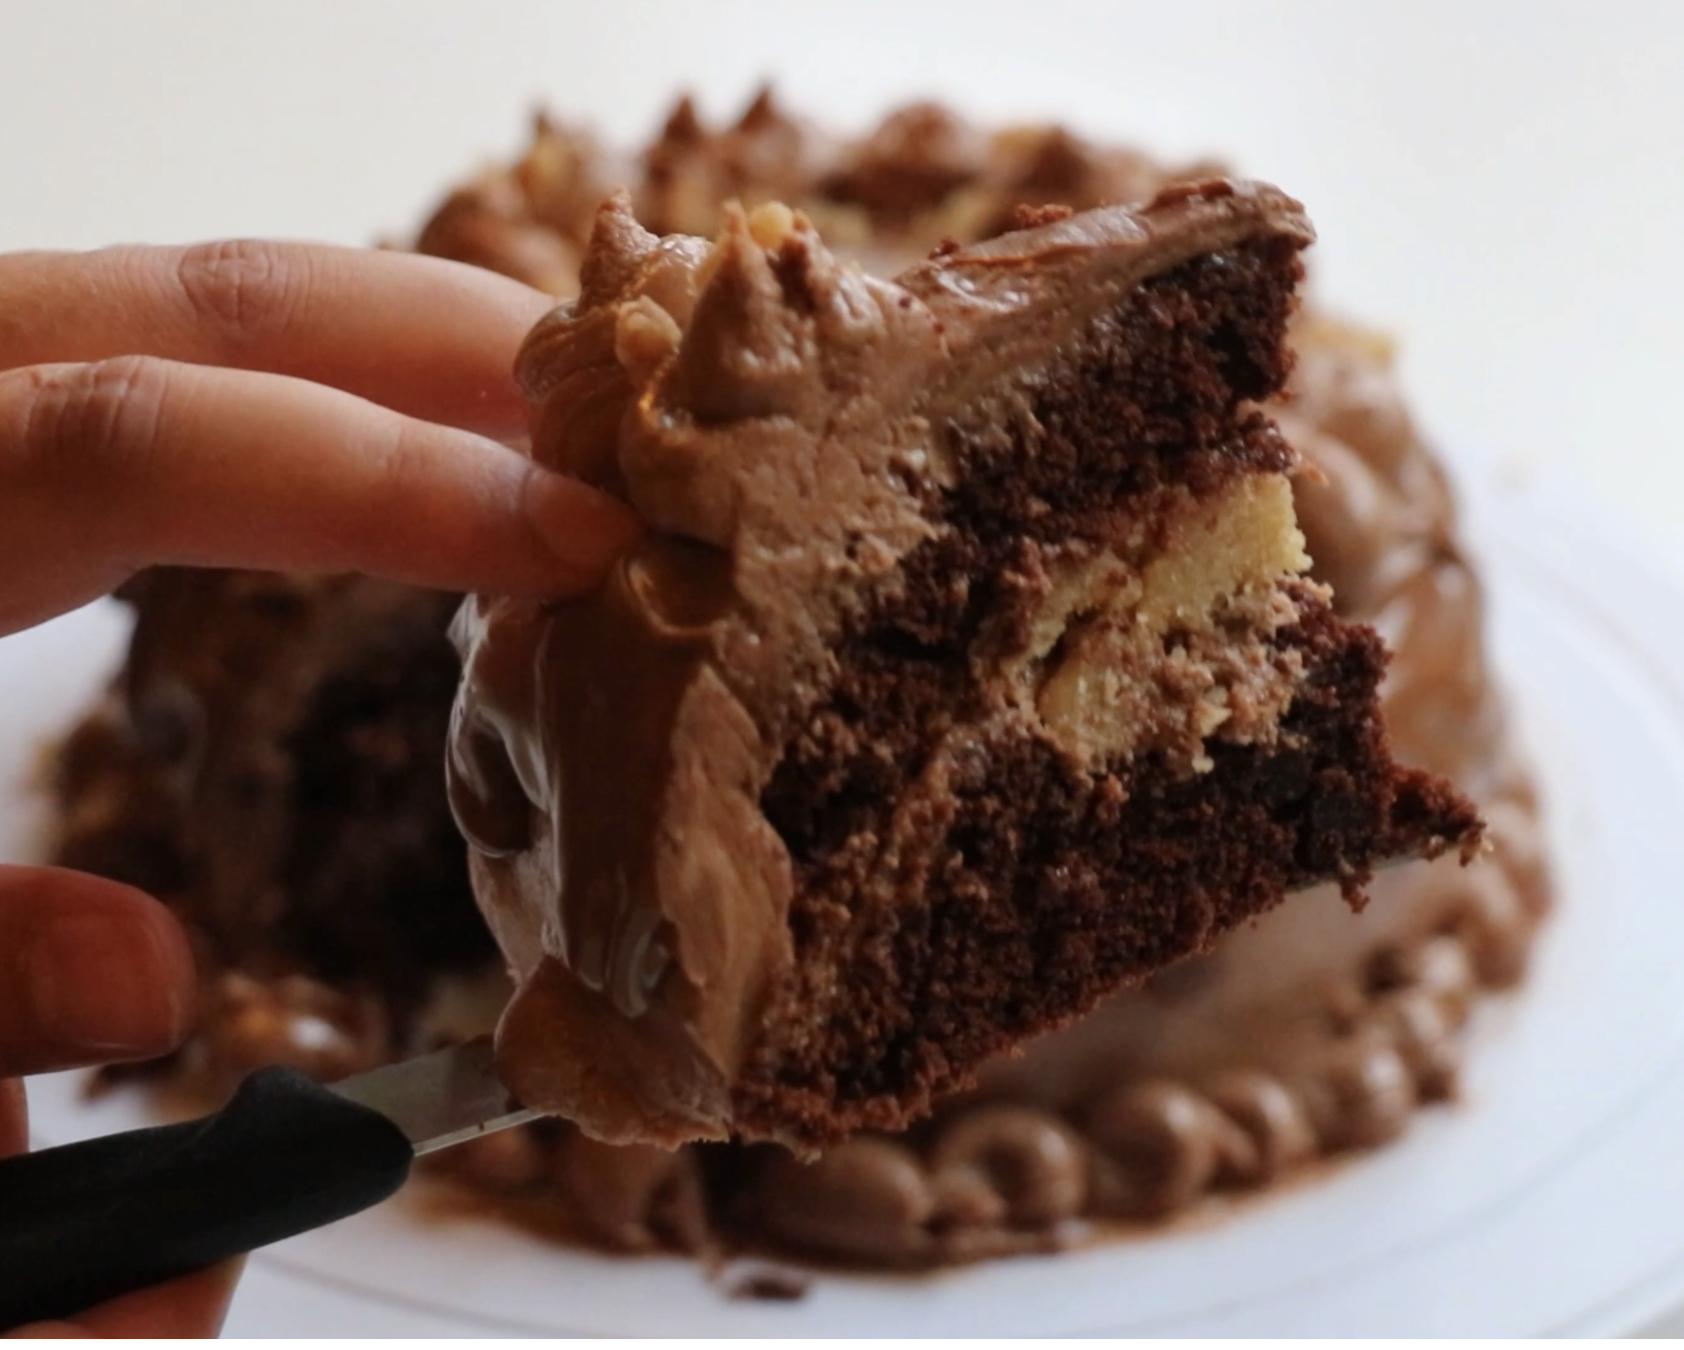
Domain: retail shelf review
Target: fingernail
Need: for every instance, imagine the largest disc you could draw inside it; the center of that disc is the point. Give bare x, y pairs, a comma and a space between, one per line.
103, 983
586, 529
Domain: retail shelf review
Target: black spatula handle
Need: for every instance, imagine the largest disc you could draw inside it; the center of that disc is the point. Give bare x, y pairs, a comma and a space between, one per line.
85, 1222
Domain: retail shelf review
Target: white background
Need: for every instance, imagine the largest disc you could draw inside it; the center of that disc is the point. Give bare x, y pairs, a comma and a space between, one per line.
1499, 184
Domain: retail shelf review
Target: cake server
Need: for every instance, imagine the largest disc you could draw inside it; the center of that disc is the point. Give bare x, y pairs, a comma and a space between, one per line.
85, 1222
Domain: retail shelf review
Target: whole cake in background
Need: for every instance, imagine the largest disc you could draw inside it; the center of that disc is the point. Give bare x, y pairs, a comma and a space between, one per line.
268, 763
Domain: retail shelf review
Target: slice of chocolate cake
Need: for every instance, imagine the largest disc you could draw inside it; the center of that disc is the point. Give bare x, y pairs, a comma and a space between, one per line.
967, 671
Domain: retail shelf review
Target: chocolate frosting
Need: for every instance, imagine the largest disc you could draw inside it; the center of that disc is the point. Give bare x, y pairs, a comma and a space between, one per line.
921, 174
774, 414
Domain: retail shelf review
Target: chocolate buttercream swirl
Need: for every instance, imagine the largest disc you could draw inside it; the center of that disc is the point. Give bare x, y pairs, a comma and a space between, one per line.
919, 175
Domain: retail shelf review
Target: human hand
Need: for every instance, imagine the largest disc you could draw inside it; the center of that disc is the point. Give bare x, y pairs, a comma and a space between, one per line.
245, 405
287, 406
92, 972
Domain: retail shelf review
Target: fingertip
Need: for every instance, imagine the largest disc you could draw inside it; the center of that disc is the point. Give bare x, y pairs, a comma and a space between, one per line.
103, 972
193, 1306
585, 529
478, 320
14, 1117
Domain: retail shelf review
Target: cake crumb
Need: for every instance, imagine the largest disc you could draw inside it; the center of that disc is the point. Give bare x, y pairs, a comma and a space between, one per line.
1027, 217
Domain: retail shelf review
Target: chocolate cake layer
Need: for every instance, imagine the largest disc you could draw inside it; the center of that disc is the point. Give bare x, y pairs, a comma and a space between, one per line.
1313, 1032
963, 678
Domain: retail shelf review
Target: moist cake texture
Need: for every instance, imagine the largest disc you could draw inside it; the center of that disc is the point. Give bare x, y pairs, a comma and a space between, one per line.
966, 671
1312, 1032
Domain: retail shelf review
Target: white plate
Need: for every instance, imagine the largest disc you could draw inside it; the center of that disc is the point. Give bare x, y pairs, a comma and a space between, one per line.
1551, 1200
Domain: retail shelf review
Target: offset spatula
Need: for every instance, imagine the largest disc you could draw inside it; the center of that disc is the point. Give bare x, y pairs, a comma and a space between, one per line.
85, 1222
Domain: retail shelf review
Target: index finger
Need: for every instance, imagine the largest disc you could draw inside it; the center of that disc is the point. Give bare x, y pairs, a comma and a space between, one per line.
110, 467
433, 339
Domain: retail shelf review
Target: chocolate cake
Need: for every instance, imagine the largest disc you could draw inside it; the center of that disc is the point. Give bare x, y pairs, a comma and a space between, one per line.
1311, 1032
269, 764
965, 672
